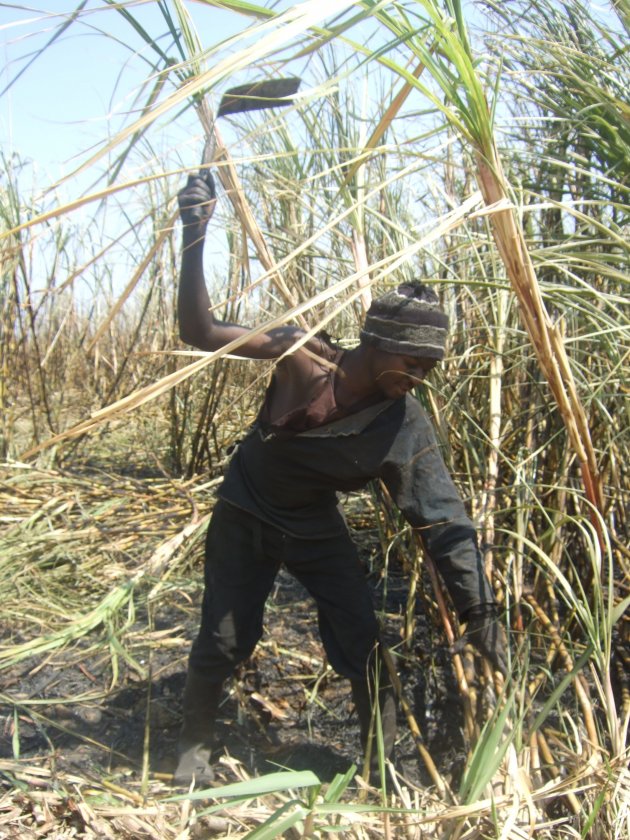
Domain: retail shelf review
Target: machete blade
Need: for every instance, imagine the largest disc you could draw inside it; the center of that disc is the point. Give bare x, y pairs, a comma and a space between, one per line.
254, 96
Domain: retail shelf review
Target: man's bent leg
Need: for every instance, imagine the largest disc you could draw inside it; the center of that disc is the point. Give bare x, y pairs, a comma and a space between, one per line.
194, 747
377, 723
332, 573
238, 580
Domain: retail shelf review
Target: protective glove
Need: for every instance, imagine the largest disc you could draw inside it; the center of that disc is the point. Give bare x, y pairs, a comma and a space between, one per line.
197, 200
484, 631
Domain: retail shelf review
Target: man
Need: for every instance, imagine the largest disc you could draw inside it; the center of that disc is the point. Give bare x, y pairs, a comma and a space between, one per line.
331, 420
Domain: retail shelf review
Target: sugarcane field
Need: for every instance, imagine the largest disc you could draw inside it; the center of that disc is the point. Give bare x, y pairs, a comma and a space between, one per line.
314, 429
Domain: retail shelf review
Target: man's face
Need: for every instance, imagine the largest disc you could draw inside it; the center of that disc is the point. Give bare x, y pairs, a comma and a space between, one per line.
397, 374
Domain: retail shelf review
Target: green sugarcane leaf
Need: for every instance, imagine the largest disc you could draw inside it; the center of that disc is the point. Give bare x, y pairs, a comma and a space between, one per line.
284, 780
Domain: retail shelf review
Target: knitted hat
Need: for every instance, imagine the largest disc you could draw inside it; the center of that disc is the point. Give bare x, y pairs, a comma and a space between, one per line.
407, 321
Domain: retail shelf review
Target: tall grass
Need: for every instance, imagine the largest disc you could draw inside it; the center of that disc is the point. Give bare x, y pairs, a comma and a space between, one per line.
341, 195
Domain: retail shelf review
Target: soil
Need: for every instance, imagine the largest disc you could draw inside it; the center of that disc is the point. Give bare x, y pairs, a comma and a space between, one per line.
284, 709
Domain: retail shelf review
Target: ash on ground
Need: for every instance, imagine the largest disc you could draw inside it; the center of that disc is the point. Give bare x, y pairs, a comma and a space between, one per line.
284, 709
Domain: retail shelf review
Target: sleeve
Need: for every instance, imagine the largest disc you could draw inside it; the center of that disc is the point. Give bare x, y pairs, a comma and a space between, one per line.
417, 479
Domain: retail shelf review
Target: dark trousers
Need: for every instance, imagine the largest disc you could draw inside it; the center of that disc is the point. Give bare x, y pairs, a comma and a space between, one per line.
243, 556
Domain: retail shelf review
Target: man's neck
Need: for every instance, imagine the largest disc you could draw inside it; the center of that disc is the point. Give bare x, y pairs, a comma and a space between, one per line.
354, 382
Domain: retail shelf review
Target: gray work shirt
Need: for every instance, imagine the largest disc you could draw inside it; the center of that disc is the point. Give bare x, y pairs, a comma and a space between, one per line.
292, 483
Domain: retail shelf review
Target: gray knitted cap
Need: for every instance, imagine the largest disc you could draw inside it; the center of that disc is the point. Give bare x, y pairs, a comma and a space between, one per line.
407, 321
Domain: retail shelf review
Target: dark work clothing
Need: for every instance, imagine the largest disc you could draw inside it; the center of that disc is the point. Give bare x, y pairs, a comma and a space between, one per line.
291, 483
243, 555
278, 505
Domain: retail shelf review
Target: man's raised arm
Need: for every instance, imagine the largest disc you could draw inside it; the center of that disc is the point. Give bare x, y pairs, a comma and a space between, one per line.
197, 324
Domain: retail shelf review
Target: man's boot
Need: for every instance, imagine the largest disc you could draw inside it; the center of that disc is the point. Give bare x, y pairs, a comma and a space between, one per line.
363, 696
200, 705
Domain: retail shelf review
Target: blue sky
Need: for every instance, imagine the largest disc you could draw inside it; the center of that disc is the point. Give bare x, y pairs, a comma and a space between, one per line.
80, 88
75, 95
80, 91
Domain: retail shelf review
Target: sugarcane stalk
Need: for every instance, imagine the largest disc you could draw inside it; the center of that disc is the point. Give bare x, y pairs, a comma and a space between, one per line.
547, 755
579, 682
489, 502
545, 337
462, 682
439, 782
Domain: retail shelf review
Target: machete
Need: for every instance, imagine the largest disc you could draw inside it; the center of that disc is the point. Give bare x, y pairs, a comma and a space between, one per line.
253, 96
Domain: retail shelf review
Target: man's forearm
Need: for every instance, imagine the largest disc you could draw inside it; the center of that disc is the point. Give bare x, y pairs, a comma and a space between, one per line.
193, 301
196, 204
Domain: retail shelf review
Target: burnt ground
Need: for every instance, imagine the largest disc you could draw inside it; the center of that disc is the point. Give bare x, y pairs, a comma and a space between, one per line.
284, 709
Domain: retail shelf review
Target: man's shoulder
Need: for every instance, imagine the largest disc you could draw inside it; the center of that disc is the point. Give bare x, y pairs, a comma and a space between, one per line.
323, 347
315, 356
413, 406
413, 415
